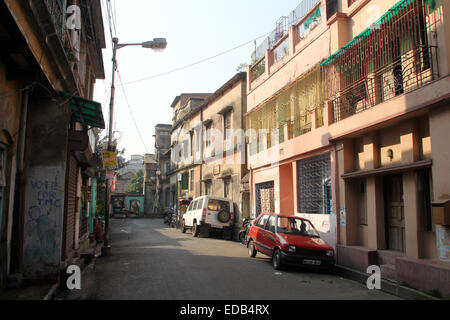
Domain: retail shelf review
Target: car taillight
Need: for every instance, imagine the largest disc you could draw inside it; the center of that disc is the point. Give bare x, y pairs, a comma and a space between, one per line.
204, 215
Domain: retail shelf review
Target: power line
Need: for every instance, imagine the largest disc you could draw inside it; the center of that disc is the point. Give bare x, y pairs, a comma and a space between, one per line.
131, 112
198, 62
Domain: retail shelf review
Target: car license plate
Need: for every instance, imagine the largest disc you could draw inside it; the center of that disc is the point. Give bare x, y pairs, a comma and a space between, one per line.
312, 262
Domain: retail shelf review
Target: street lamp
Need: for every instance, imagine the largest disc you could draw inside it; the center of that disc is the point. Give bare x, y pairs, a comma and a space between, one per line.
157, 44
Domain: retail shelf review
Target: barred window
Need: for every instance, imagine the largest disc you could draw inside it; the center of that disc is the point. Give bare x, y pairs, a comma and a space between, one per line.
314, 185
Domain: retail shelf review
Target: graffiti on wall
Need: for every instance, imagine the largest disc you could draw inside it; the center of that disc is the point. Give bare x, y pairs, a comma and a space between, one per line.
43, 214
443, 238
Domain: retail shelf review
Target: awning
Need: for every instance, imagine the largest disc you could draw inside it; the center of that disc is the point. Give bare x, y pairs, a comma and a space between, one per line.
86, 111
390, 14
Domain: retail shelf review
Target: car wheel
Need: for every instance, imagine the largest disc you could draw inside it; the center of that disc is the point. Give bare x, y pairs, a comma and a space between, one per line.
276, 260
183, 227
224, 216
195, 229
251, 249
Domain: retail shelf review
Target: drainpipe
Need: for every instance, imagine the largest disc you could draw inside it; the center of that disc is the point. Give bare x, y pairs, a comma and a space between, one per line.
15, 222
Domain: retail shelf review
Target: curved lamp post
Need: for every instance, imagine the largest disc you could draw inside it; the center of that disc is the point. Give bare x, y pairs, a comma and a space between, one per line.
157, 44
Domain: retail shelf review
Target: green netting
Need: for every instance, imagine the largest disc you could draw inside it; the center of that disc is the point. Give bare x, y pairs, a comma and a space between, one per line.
390, 14
86, 111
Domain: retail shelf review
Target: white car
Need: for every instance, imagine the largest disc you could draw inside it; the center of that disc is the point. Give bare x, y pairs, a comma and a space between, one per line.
209, 213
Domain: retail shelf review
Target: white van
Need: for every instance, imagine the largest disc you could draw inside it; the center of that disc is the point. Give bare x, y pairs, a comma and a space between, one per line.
209, 213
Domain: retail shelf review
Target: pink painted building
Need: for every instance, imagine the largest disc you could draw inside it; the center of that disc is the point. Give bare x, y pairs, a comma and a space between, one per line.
351, 110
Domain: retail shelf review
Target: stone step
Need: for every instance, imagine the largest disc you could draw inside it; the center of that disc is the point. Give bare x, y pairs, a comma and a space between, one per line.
388, 272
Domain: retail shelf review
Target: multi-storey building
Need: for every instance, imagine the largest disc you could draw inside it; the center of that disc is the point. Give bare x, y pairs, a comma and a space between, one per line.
185, 172
223, 145
208, 145
48, 66
360, 99
162, 149
150, 170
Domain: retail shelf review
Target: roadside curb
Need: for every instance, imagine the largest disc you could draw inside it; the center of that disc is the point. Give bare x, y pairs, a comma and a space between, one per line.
386, 286
51, 292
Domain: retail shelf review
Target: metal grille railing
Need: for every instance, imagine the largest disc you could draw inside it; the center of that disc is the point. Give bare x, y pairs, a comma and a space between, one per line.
258, 69
282, 27
281, 50
314, 176
388, 59
404, 74
56, 10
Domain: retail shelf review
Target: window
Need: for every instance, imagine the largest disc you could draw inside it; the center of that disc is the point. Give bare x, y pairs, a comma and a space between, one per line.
424, 196
218, 205
199, 204
208, 187
191, 206
270, 226
297, 226
227, 188
192, 181
208, 134
185, 181
226, 125
192, 143
262, 222
314, 188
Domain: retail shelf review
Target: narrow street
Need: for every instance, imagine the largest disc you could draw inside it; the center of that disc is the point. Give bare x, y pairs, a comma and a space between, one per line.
154, 262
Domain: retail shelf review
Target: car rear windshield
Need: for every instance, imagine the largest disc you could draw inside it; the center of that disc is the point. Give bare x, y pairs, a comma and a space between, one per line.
296, 226
218, 205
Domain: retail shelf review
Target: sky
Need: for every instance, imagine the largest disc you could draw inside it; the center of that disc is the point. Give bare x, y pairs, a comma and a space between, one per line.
195, 30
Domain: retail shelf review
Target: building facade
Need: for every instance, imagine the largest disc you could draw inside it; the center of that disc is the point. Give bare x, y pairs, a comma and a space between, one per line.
359, 101
208, 146
150, 168
162, 149
48, 68
185, 172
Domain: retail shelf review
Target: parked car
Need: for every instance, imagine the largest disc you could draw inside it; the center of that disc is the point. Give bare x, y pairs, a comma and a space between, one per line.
209, 213
289, 240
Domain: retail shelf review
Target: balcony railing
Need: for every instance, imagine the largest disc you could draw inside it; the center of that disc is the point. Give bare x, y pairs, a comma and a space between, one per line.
281, 50
258, 69
395, 55
282, 27
56, 10
404, 74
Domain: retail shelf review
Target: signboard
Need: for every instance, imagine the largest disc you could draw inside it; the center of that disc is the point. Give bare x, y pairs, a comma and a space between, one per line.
109, 159
443, 240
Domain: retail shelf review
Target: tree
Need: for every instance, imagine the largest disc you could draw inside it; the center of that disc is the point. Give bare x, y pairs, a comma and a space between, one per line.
137, 183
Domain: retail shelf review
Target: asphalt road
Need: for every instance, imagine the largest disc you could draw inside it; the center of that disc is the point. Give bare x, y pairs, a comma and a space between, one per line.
151, 261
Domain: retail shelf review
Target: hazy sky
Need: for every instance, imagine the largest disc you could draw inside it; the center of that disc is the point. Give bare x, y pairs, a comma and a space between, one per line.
195, 30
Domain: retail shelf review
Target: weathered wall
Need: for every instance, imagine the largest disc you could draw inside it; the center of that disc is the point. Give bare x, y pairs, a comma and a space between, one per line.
44, 201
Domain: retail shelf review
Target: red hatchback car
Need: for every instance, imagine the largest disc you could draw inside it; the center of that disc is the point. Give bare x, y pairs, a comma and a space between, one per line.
289, 240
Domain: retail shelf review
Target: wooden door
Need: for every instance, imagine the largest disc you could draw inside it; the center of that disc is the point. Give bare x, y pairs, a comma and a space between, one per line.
395, 213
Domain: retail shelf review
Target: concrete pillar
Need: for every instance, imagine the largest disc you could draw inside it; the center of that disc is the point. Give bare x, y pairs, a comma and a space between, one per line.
371, 152
293, 39
44, 198
409, 141
348, 208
